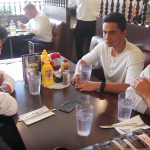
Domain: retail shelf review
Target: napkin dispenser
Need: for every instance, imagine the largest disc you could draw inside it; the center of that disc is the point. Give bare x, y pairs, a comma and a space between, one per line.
30, 62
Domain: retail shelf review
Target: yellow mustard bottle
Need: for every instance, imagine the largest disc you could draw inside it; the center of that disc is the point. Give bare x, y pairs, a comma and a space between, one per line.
44, 56
65, 65
47, 73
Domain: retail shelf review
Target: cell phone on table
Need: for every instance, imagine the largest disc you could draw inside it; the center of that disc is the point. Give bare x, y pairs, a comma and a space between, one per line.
69, 105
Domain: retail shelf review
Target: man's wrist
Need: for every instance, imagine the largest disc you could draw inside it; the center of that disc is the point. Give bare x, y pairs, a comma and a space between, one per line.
147, 96
102, 86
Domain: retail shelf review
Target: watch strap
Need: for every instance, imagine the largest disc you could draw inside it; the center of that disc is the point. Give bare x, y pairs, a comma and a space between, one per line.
103, 85
3, 89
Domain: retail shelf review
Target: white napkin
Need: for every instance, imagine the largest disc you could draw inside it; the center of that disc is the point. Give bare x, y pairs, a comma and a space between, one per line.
37, 118
136, 119
57, 86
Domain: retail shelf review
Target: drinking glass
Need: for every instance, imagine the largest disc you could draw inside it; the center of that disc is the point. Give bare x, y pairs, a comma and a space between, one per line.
125, 107
12, 29
34, 79
85, 72
84, 118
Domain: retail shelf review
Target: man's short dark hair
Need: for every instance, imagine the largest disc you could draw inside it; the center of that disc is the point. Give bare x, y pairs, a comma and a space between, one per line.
117, 18
29, 7
3, 33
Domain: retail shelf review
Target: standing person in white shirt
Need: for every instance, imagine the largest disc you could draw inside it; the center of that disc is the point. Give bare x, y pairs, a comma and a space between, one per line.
120, 59
8, 105
39, 25
140, 91
86, 13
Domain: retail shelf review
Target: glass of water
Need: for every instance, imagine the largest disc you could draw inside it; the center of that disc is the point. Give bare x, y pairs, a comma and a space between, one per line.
34, 79
84, 118
12, 29
85, 72
125, 106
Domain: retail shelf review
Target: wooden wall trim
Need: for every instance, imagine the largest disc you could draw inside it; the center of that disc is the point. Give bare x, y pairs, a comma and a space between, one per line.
138, 35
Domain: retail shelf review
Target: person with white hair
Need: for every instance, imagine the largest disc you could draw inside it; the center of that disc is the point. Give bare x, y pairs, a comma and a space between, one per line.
8, 105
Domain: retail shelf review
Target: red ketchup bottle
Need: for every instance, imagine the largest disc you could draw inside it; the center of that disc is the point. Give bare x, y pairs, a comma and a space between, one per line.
56, 59
51, 62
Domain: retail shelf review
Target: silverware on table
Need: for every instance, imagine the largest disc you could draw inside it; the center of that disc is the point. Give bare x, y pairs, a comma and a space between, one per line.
126, 130
121, 125
34, 115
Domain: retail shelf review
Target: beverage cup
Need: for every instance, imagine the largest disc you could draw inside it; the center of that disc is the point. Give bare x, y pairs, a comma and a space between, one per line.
84, 118
125, 106
19, 24
34, 79
85, 72
12, 29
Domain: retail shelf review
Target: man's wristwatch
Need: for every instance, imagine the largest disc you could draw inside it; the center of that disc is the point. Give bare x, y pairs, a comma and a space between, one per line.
3, 89
103, 84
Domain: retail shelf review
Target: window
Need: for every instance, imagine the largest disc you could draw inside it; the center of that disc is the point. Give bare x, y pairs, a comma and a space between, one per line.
8, 7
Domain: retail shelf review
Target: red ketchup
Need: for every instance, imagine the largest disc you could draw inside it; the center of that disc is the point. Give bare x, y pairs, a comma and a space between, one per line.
56, 58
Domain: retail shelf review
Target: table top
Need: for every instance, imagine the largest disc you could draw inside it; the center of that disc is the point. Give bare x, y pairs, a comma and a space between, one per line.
60, 129
20, 35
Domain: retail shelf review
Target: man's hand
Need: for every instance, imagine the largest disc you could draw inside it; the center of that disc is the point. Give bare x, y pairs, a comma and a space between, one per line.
87, 86
22, 26
1, 78
76, 79
142, 87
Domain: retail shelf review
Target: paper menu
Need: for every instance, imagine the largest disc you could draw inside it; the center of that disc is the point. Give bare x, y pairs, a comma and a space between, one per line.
129, 141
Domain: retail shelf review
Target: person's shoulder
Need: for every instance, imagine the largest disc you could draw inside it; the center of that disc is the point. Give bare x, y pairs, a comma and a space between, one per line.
147, 68
132, 47
41, 14
103, 47
42, 17
101, 44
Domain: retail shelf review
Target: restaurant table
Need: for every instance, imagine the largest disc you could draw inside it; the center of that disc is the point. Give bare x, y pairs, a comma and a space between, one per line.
60, 129
18, 35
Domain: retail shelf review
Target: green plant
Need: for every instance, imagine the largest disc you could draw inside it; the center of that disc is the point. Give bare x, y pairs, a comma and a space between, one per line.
8, 10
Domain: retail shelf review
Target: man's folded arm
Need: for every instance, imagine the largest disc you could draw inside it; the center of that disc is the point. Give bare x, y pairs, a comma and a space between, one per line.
8, 83
8, 105
140, 104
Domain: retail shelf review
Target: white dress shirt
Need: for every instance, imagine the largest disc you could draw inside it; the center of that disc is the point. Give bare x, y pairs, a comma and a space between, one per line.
8, 105
118, 69
139, 104
87, 10
41, 27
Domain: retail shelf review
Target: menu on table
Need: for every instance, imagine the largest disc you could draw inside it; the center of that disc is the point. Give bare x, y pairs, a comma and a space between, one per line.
136, 140
31, 47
